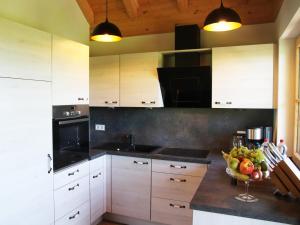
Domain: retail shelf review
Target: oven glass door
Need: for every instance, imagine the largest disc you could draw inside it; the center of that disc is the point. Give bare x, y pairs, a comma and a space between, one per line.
71, 134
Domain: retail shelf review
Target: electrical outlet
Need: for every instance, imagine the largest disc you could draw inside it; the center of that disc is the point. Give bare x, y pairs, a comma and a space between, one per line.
100, 127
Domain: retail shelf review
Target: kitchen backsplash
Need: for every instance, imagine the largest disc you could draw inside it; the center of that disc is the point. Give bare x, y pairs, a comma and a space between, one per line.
175, 127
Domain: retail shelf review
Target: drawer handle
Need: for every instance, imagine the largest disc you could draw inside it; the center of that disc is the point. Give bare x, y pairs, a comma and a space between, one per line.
80, 99
74, 216
140, 163
228, 103
177, 206
148, 103
49, 163
73, 173
177, 167
218, 103
111, 102
95, 176
72, 188
177, 180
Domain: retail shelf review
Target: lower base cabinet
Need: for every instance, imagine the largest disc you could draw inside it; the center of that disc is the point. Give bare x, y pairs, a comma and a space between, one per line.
97, 188
78, 216
131, 186
171, 212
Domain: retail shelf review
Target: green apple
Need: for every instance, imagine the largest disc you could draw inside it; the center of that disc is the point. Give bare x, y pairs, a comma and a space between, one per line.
234, 163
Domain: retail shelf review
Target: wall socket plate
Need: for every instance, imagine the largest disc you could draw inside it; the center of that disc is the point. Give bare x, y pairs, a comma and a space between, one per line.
100, 127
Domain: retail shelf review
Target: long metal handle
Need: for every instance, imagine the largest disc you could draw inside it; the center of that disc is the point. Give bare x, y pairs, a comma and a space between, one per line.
73, 173
73, 121
80, 99
177, 180
49, 163
95, 176
74, 216
111, 102
72, 188
218, 103
148, 103
228, 103
177, 206
140, 163
177, 166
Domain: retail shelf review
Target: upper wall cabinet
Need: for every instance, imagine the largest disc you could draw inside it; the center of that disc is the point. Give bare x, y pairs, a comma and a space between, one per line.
70, 72
105, 81
242, 76
139, 84
25, 52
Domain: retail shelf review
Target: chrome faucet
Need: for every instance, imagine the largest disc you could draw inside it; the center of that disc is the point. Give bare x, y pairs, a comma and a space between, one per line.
131, 141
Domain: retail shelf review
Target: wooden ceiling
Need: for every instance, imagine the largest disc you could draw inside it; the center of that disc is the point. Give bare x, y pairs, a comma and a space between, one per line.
139, 17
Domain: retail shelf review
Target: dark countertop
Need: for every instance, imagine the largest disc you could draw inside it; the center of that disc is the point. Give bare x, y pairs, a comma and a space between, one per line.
216, 194
95, 153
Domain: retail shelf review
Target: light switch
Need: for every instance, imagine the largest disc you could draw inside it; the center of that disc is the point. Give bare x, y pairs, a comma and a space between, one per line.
100, 127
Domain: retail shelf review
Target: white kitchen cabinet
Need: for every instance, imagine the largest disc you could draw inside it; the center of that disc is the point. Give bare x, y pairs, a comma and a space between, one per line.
139, 84
70, 72
26, 151
25, 52
131, 186
97, 188
242, 76
105, 81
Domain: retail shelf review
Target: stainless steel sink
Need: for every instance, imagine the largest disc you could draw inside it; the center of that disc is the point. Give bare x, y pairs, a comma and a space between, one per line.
181, 152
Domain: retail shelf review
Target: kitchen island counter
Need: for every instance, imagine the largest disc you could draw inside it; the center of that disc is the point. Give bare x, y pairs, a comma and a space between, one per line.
216, 195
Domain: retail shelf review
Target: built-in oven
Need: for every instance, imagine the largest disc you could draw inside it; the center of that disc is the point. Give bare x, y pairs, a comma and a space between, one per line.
70, 135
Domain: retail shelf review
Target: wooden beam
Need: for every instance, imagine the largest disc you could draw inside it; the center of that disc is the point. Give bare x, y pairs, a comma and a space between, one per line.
87, 11
183, 5
132, 7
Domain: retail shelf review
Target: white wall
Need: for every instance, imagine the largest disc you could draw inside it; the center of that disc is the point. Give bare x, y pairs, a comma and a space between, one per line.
251, 34
61, 17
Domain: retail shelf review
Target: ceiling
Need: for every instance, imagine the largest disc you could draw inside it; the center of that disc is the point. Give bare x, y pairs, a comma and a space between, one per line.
139, 17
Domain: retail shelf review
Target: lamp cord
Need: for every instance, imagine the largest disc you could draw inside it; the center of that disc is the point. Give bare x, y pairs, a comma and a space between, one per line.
106, 10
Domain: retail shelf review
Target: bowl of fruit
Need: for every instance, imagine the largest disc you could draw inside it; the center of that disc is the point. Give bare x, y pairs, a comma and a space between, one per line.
247, 165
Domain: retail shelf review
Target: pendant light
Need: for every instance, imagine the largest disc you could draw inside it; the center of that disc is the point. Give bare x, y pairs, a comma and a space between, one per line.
222, 19
106, 31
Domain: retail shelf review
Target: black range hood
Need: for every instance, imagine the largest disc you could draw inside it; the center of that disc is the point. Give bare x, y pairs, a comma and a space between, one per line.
186, 84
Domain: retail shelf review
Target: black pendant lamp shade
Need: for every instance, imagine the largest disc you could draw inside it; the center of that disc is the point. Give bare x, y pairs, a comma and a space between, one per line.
222, 19
106, 31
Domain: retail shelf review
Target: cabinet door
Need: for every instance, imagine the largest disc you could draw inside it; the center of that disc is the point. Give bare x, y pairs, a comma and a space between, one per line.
131, 186
104, 81
25, 52
70, 71
242, 76
97, 195
25, 168
139, 84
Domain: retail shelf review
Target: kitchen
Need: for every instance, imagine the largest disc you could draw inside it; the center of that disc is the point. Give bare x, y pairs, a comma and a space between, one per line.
132, 132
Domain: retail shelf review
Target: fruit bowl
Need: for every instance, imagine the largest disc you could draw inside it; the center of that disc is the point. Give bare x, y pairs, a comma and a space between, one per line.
246, 165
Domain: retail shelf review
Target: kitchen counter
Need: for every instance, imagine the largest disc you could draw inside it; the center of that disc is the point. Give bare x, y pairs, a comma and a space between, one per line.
96, 152
216, 195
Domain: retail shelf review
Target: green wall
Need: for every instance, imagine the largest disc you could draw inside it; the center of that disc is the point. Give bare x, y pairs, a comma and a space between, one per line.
60, 17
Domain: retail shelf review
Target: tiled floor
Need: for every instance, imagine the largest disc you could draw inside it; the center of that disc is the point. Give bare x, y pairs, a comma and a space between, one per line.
109, 223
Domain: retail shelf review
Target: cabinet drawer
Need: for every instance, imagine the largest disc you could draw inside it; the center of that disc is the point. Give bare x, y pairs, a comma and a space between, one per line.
70, 174
79, 216
185, 168
177, 187
131, 163
171, 212
97, 164
71, 196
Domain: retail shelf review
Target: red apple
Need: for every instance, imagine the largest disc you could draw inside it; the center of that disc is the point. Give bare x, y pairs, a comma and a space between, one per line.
246, 167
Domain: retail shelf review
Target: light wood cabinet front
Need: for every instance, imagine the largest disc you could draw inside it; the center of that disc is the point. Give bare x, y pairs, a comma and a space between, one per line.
171, 212
105, 81
242, 76
139, 84
25, 52
70, 72
131, 186
176, 187
175, 167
